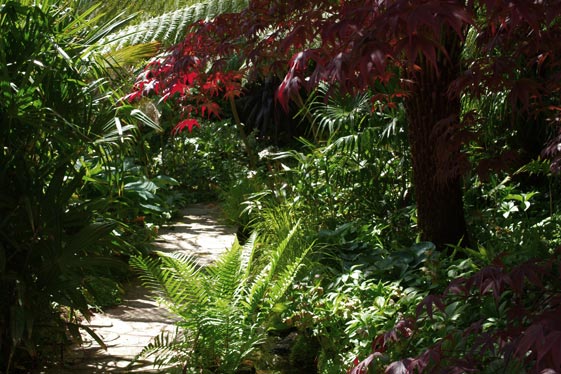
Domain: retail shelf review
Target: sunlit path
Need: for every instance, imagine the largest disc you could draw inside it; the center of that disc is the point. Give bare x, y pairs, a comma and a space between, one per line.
129, 327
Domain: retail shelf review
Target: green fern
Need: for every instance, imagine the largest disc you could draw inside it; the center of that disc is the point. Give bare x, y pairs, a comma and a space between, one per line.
222, 307
169, 28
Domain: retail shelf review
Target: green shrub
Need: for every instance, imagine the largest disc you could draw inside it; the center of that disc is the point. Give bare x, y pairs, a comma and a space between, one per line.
206, 160
56, 110
223, 307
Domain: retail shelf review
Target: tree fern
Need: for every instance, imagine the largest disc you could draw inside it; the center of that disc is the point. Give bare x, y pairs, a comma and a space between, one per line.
169, 28
222, 307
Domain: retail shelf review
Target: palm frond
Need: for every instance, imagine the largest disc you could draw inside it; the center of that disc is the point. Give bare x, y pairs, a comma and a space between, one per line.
335, 113
359, 142
132, 54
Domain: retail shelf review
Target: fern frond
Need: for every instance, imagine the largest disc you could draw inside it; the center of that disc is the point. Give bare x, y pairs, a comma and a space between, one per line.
149, 272
184, 282
223, 306
226, 272
167, 348
256, 294
286, 278
176, 279
169, 28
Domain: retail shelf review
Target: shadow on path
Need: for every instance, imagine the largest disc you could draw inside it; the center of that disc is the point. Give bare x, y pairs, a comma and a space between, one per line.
127, 328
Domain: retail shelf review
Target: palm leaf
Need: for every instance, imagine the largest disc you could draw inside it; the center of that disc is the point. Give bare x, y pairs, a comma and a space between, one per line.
334, 113
132, 54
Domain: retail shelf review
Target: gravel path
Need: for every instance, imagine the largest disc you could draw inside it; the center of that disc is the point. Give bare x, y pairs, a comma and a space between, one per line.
129, 327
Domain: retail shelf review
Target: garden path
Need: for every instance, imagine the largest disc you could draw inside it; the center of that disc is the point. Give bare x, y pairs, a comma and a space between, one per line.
129, 327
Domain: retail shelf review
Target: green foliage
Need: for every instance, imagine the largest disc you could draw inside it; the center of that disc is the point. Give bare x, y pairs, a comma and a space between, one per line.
222, 307
170, 27
59, 131
346, 308
234, 196
505, 219
130, 195
205, 161
343, 314
361, 174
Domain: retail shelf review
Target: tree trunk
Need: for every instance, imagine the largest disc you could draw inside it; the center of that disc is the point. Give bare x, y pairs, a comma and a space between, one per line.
435, 150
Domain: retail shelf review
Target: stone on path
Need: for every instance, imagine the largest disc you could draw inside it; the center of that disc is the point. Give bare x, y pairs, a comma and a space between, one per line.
198, 233
127, 328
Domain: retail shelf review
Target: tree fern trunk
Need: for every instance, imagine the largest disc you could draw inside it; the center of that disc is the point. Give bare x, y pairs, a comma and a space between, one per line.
433, 122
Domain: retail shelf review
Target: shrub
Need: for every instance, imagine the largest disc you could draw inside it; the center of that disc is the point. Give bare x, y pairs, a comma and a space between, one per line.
223, 307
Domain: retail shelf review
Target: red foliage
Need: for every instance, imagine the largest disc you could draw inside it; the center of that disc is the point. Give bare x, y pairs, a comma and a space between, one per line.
203, 69
367, 44
532, 323
357, 43
189, 123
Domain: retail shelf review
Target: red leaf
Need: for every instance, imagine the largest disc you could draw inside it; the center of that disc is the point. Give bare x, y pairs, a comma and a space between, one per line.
399, 367
189, 123
176, 88
428, 302
551, 349
211, 108
531, 338
190, 77
524, 91
362, 366
133, 96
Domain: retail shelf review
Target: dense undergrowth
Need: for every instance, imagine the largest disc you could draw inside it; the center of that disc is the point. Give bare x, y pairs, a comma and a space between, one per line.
76, 197
330, 248
374, 297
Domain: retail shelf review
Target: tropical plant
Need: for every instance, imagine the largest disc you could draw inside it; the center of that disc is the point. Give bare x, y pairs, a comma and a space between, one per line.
166, 23
354, 179
205, 161
344, 313
222, 308
410, 51
56, 110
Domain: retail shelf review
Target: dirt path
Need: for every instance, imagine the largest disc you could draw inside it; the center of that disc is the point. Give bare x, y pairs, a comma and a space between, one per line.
129, 327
